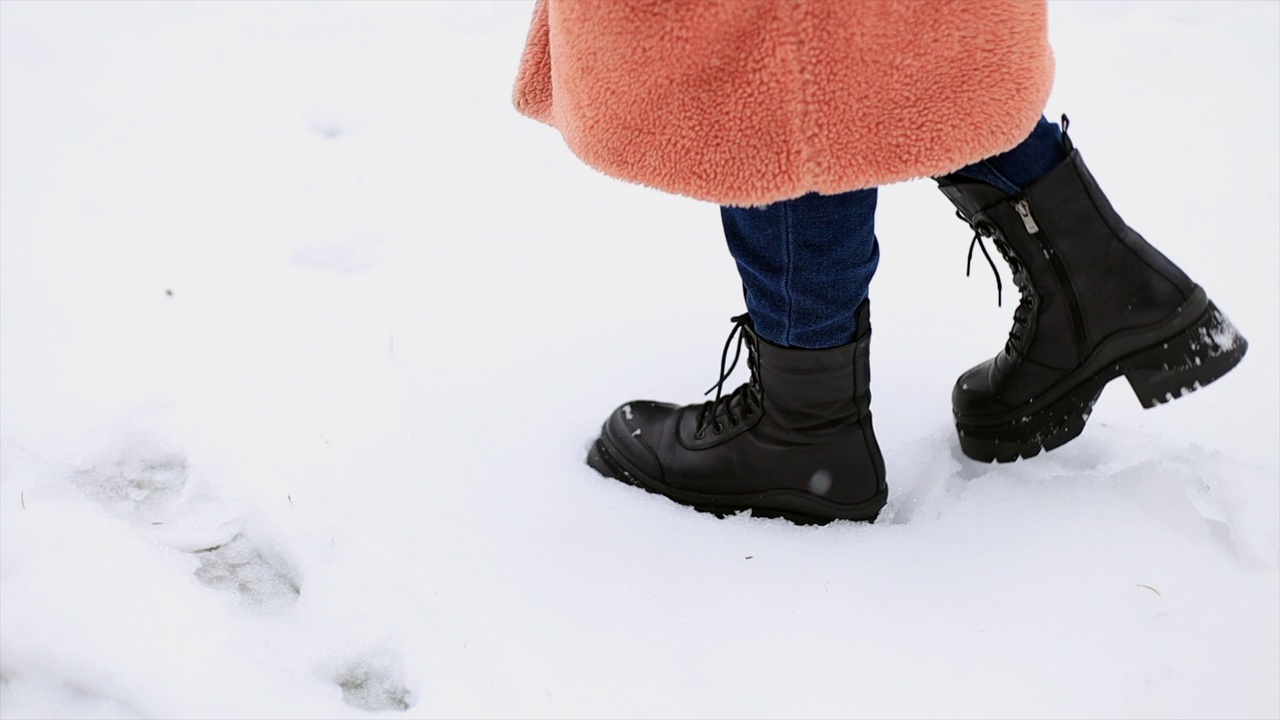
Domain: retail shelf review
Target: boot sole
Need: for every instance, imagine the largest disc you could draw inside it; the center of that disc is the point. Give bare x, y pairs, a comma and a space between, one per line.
797, 506
1165, 370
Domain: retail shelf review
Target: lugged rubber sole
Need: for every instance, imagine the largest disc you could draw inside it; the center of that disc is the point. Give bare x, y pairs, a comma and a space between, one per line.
1164, 371
797, 506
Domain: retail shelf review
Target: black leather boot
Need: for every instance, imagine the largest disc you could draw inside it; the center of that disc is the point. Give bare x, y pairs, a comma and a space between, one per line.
1098, 302
794, 442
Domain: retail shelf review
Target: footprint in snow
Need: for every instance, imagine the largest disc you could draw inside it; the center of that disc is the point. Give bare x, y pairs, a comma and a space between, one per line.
140, 479
241, 566
147, 483
374, 682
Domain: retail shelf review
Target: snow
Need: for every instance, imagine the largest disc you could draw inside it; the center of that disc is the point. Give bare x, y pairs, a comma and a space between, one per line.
1220, 337
304, 334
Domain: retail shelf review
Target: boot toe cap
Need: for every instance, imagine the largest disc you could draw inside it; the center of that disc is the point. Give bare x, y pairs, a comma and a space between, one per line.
633, 432
974, 395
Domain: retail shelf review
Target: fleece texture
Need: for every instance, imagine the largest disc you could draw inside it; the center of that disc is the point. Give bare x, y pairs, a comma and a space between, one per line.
746, 102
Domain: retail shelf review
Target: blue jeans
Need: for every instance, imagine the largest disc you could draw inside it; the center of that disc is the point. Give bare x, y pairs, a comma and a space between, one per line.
806, 263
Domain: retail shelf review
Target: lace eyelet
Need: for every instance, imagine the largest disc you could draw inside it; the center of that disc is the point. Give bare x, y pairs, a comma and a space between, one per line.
701, 434
717, 428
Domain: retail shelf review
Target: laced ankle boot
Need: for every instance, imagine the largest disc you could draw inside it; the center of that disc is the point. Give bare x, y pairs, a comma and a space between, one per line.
795, 441
1097, 302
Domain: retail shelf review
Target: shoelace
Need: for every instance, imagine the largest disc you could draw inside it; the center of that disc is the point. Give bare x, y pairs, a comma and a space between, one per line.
968, 267
707, 416
1021, 314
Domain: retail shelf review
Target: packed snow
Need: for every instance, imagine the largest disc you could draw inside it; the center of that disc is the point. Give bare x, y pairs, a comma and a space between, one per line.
304, 333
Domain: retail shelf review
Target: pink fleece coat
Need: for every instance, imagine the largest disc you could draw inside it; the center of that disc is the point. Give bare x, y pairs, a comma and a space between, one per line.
745, 102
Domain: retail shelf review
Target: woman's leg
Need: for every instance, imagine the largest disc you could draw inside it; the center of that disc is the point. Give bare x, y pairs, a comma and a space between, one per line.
806, 264
1014, 171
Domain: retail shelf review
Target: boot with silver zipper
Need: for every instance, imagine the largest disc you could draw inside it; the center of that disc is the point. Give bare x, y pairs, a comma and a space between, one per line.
1097, 302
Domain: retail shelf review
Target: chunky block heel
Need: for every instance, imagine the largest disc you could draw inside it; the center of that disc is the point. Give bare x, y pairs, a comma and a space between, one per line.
1186, 362
1163, 371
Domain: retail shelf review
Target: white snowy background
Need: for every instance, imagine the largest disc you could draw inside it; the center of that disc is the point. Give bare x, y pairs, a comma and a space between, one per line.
304, 333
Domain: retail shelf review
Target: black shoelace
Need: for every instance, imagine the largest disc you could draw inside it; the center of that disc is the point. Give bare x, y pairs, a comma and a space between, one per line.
708, 415
1021, 314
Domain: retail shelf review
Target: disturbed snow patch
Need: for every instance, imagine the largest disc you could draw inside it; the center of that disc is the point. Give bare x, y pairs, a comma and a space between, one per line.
137, 480
146, 482
374, 682
240, 566
1196, 493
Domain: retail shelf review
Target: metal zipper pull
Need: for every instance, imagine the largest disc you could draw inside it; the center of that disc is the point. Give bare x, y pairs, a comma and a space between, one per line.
1024, 209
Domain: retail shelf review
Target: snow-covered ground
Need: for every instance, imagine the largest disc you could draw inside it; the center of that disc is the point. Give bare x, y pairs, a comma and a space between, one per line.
304, 333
